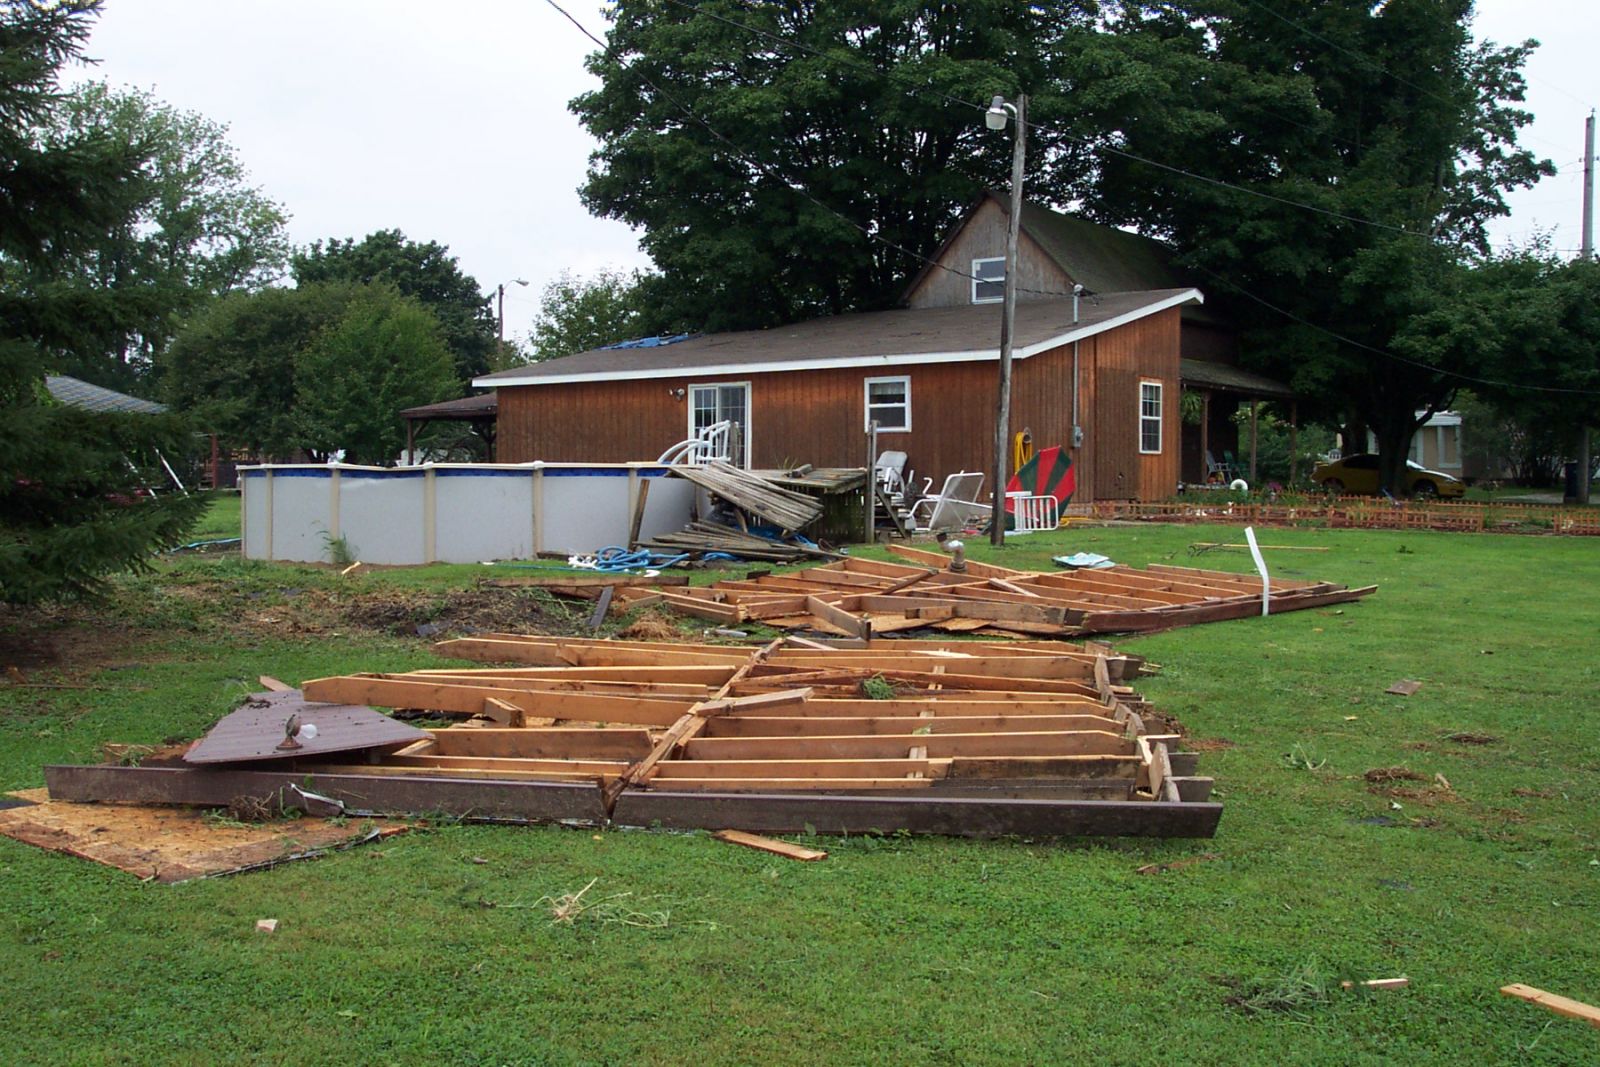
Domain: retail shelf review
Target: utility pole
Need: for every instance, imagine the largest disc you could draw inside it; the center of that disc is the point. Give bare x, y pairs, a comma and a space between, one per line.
1002, 420
500, 312
1584, 457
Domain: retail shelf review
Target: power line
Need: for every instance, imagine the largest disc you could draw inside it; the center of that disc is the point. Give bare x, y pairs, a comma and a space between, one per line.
792, 185
1393, 355
802, 191
1079, 139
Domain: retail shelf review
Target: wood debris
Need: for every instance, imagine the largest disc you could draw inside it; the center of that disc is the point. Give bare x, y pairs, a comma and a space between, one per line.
1404, 688
770, 844
760, 496
967, 738
1572, 1009
861, 597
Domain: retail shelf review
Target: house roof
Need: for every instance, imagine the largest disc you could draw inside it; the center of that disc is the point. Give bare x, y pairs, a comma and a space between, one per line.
1230, 379
468, 407
81, 394
902, 337
1102, 259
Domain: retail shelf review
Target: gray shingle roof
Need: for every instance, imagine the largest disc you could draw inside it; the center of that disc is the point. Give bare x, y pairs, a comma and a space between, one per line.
80, 394
876, 338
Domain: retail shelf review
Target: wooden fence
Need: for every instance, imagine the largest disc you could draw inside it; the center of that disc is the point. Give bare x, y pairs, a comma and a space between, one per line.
1372, 513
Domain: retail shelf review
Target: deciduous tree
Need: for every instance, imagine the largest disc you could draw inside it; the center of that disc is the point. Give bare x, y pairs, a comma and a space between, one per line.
424, 271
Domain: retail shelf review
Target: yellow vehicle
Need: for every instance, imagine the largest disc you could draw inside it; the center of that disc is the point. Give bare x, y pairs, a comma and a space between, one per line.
1359, 474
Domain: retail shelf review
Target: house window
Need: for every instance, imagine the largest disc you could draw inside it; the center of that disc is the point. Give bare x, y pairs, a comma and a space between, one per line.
889, 403
988, 280
1149, 417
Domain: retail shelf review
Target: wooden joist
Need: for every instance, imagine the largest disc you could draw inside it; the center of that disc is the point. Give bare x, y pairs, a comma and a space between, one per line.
858, 598
997, 737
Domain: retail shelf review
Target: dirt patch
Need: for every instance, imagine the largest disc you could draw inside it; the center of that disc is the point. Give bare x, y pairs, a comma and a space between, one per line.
1472, 739
1207, 744
70, 637
1379, 775
417, 613
1538, 794
1159, 722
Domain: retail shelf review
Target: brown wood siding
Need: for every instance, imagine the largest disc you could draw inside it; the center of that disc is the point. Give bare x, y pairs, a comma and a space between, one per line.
818, 417
984, 237
1146, 350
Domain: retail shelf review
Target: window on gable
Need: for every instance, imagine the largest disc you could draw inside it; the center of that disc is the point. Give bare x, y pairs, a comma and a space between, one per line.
988, 280
889, 403
1149, 417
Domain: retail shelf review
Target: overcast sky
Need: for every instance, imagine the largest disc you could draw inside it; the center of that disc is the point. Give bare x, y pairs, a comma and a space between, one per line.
450, 122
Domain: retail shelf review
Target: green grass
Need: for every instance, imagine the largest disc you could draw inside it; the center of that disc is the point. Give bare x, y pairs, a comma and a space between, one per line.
894, 949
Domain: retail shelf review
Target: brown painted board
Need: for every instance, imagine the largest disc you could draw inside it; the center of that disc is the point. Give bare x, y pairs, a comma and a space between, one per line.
917, 812
1405, 687
254, 731
174, 844
362, 794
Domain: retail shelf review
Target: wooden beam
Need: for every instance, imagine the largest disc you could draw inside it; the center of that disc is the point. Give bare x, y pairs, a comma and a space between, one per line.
1572, 1009
853, 625
768, 844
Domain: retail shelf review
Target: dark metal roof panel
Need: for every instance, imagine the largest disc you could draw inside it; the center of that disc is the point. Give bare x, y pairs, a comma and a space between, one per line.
256, 729
467, 407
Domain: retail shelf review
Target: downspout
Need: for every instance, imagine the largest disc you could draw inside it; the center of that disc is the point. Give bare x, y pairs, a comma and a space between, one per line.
1077, 428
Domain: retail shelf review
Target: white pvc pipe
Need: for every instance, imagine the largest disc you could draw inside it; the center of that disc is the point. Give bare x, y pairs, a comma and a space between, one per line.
1261, 566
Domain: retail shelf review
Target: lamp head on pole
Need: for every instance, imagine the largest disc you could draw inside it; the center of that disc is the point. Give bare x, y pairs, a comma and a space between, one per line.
999, 111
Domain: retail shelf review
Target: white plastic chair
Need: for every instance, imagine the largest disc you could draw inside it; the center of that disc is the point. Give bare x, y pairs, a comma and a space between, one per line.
708, 445
955, 506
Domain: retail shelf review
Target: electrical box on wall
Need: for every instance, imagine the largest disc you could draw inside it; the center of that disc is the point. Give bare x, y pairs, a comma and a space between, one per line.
1077, 437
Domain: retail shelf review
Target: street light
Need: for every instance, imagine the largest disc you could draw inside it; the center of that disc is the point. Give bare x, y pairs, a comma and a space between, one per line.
501, 291
995, 119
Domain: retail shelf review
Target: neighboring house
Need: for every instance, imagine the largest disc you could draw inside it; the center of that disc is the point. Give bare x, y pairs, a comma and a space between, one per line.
1436, 444
1107, 366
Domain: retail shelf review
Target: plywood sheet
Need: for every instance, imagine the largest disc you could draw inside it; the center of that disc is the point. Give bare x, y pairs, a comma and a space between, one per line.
175, 844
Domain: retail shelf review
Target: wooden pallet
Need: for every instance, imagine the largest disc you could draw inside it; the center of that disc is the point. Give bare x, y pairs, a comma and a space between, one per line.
861, 598
969, 738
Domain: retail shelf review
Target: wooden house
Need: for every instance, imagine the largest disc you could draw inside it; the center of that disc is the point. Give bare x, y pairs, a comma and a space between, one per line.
1098, 373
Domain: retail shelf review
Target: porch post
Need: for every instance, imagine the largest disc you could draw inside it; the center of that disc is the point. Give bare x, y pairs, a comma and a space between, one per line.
1294, 440
1255, 408
1205, 436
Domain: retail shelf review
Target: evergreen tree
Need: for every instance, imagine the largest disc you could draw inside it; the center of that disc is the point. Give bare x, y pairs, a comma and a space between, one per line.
73, 507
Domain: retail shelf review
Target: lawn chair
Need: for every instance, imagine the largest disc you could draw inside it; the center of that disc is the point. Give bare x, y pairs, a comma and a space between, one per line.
955, 506
1215, 471
1031, 514
890, 472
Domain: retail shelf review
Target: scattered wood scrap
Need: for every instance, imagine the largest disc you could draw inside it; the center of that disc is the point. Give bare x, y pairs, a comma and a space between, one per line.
1404, 688
880, 597
1572, 1009
1377, 983
965, 738
700, 538
770, 844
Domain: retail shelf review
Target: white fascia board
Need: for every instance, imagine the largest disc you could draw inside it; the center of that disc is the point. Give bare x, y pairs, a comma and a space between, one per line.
901, 359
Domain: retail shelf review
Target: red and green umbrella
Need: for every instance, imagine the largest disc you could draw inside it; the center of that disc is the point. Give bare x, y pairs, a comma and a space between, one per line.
1048, 473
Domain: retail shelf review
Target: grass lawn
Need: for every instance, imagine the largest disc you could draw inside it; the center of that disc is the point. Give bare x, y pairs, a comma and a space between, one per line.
434, 947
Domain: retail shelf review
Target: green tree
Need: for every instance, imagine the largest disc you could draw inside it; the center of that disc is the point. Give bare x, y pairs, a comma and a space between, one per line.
706, 129
72, 508
1387, 120
1542, 319
193, 228
426, 272
385, 353
579, 314
232, 368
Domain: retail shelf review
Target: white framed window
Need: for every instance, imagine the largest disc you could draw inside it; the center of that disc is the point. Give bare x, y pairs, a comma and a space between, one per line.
988, 280
1149, 417
888, 403
723, 402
